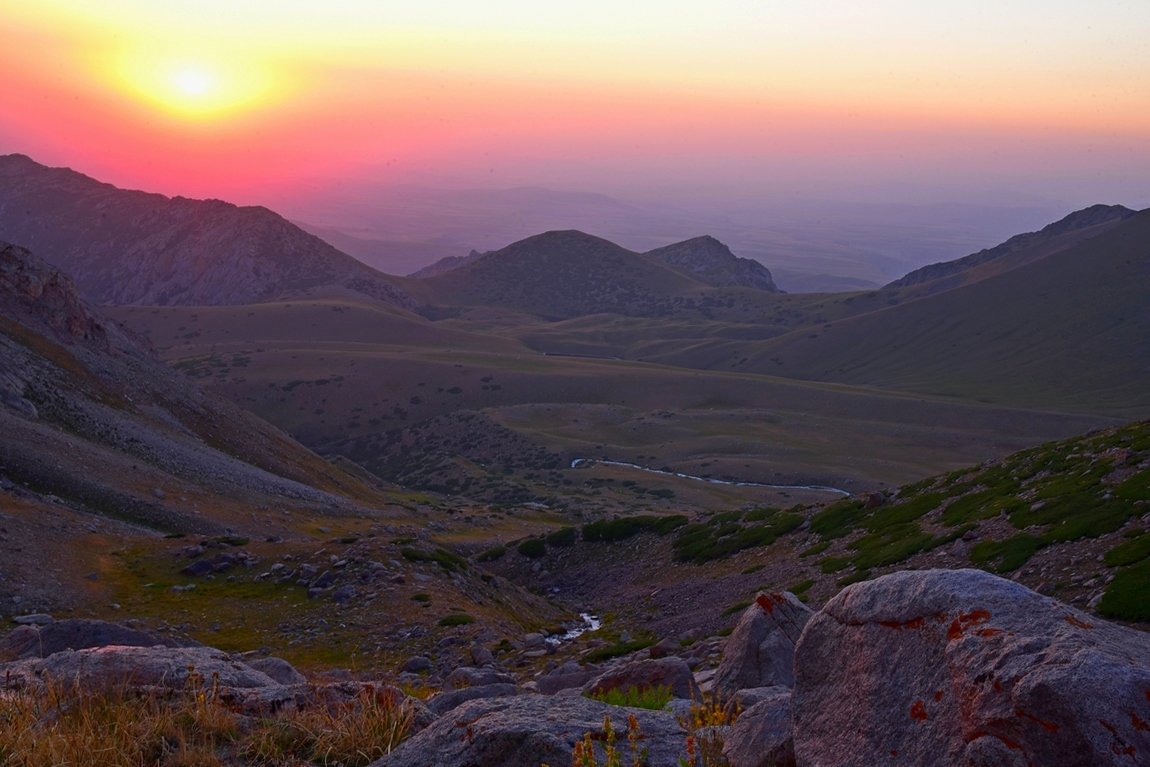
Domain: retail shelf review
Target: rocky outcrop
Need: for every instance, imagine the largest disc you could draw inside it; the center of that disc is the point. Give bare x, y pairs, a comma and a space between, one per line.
761, 649
34, 289
965, 668
712, 262
672, 673
527, 730
565, 677
762, 735
74, 634
445, 701
111, 667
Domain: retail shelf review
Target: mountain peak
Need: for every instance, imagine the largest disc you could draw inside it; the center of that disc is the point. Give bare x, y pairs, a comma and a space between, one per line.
709, 260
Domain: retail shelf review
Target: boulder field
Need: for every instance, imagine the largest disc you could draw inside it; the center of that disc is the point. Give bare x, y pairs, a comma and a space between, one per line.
930, 668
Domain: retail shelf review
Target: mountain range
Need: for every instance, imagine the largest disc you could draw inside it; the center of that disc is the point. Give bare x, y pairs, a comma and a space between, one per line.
127, 247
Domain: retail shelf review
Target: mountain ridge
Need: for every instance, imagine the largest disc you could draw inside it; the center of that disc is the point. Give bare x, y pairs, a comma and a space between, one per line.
125, 246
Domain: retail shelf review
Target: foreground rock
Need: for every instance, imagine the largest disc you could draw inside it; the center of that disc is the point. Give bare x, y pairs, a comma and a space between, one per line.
529, 730
761, 649
672, 673
40, 641
964, 668
115, 667
761, 737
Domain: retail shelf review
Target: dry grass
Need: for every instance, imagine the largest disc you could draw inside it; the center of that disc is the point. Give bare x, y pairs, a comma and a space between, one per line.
64, 726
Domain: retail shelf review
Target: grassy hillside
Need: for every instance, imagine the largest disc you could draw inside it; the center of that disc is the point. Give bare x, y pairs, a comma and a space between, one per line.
1064, 332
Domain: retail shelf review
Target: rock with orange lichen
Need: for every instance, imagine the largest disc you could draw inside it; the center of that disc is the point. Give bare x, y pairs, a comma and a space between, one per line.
760, 651
962, 667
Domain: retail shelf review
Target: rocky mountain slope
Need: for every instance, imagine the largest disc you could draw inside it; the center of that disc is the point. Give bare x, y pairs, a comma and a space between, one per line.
128, 247
100, 437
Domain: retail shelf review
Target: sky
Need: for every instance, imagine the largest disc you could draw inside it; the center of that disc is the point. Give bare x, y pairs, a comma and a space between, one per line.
252, 100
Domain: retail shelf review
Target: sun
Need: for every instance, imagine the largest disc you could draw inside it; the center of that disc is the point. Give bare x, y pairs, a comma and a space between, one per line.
193, 81
194, 88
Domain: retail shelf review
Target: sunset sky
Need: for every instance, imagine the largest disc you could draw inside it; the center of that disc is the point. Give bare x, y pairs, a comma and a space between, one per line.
249, 100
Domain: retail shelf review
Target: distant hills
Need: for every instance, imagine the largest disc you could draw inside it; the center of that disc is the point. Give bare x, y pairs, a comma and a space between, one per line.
128, 247
564, 274
1056, 319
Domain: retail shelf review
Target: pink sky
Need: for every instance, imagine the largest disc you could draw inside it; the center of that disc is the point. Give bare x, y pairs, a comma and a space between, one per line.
247, 100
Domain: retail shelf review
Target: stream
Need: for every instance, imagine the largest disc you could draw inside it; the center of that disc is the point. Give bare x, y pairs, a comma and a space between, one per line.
590, 623
816, 488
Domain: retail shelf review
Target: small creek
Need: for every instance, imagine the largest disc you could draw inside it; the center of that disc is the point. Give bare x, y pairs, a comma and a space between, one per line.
816, 488
590, 623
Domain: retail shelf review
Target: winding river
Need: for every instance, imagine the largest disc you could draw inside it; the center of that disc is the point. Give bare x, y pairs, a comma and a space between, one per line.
815, 488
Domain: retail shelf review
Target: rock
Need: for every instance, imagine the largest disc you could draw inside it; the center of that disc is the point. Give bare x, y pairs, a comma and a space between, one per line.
964, 668
466, 676
662, 672
416, 664
760, 651
663, 648
109, 667
73, 634
761, 736
278, 669
527, 730
747, 698
481, 656
534, 641
449, 699
34, 619
567, 676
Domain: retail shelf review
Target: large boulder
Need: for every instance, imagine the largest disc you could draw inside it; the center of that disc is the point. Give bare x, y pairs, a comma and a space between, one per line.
529, 730
40, 641
570, 674
117, 666
443, 702
673, 673
762, 735
760, 651
962, 668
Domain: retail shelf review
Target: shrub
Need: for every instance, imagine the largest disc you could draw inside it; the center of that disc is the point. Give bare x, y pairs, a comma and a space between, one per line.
1129, 552
609, 530
448, 560
1125, 597
532, 548
492, 554
456, 619
564, 536
1005, 556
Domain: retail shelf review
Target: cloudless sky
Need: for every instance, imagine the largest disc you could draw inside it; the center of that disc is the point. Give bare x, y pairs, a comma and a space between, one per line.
247, 99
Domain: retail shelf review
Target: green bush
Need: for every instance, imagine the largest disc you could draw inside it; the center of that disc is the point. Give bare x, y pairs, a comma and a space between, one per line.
607, 652
532, 548
838, 519
448, 560
456, 619
1125, 597
564, 536
1005, 556
1129, 552
610, 530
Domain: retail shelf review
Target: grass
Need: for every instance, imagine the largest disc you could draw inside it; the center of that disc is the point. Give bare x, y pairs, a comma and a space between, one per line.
63, 725
616, 650
1005, 556
651, 698
456, 619
1130, 551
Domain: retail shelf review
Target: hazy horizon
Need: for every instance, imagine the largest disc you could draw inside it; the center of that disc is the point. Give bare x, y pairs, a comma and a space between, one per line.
662, 102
